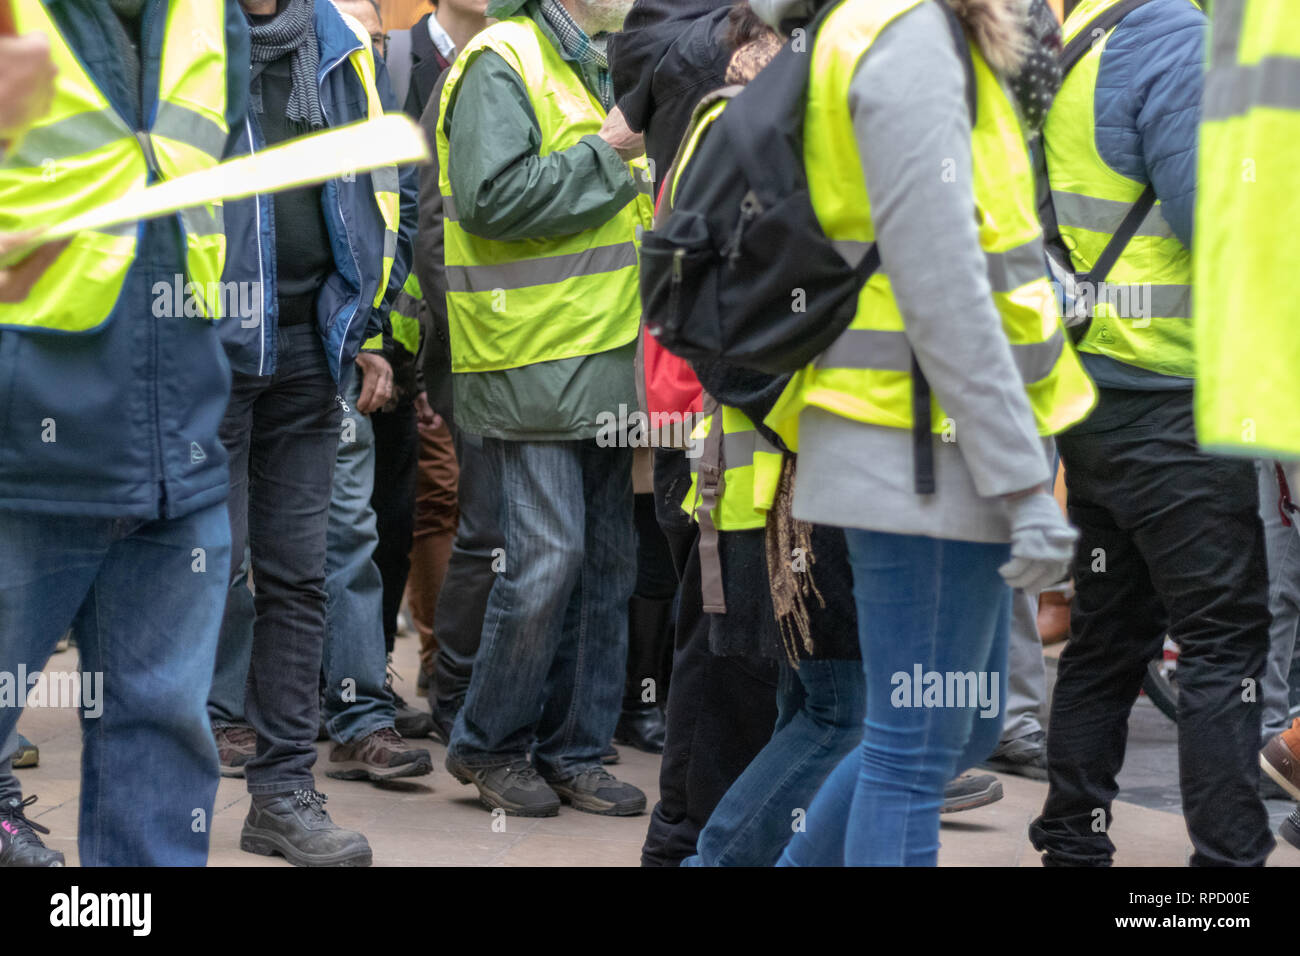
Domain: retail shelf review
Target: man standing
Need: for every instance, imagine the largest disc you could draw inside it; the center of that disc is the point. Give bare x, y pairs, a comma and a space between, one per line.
323, 259
113, 482
1170, 538
541, 214
360, 710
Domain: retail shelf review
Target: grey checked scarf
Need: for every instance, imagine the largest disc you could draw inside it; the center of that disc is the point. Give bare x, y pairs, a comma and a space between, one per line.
576, 44
293, 30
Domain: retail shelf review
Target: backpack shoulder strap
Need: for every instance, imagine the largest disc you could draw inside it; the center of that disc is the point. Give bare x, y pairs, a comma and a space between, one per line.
962, 43
665, 184
1098, 27
399, 64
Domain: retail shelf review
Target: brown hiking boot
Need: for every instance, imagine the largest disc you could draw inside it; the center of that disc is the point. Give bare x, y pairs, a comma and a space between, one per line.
382, 755
1280, 759
235, 747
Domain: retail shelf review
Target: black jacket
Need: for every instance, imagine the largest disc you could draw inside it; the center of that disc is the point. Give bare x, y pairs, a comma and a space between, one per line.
427, 65
669, 54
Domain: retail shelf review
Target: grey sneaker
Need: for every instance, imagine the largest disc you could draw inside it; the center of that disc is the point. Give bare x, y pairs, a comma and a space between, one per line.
1025, 756
382, 755
969, 791
515, 787
599, 791
297, 827
236, 745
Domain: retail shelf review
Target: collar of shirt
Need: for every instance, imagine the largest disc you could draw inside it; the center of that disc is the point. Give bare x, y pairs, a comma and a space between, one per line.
576, 45
441, 39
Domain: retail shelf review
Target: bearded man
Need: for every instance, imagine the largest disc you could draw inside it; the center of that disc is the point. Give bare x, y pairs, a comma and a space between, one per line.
543, 190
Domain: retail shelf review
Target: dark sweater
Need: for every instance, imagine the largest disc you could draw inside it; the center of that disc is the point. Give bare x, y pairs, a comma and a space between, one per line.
303, 260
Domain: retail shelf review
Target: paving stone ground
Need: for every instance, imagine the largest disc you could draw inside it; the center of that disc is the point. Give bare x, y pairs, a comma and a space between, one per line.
435, 821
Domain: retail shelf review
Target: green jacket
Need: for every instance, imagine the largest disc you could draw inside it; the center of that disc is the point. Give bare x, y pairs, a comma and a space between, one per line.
491, 127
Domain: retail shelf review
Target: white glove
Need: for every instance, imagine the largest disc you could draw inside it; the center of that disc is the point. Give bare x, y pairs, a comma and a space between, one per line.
1042, 543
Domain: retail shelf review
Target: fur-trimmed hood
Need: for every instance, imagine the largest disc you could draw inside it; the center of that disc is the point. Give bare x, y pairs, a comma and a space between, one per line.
999, 27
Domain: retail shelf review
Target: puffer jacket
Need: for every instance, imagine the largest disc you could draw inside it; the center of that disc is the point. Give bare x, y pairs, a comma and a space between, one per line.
121, 422
345, 315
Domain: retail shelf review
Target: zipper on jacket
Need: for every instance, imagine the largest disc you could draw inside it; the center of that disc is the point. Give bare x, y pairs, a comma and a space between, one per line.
263, 332
338, 201
750, 207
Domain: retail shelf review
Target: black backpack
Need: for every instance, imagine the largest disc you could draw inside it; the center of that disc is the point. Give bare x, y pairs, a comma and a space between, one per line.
742, 247
1070, 283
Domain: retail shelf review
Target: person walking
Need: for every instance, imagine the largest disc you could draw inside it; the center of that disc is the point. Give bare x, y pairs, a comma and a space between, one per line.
939, 529
1170, 536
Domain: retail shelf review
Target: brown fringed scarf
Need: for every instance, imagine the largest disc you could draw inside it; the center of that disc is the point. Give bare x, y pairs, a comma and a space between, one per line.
791, 588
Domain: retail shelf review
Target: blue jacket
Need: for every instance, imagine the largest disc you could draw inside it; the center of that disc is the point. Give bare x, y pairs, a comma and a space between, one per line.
121, 421
1147, 111
345, 316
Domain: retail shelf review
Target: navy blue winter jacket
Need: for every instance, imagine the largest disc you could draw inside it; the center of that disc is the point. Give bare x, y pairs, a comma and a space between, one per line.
1147, 111
121, 421
345, 316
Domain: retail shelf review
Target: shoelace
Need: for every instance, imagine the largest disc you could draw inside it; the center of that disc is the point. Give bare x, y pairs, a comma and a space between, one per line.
14, 814
312, 800
389, 736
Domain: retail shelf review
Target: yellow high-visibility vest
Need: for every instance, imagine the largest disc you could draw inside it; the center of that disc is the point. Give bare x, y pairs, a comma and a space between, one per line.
751, 468
865, 375
83, 152
404, 318
516, 303
384, 180
1247, 207
1153, 275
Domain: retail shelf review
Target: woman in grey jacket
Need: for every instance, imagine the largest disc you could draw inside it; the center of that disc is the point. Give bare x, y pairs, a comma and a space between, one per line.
933, 609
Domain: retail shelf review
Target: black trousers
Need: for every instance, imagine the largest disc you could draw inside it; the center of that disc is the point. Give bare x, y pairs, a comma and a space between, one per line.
721, 710
397, 457
462, 602
1170, 540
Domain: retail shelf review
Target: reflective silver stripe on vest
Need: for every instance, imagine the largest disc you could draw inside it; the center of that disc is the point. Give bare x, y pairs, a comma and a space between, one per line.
201, 221
1105, 215
83, 133
448, 209
1225, 31
644, 184
385, 179
530, 272
407, 305
738, 449
1008, 270
1142, 301
390, 244
1273, 83
192, 128
881, 350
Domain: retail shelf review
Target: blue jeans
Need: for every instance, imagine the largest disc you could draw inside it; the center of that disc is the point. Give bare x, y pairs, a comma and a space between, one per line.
820, 708
144, 599
937, 606
282, 434
549, 672
355, 661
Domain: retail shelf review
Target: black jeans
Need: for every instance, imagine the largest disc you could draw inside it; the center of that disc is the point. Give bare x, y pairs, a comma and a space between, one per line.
1170, 540
282, 434
462, 602
721, 713
397, 455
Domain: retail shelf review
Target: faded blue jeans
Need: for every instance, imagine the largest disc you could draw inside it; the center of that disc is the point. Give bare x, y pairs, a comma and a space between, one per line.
819, 708
549, 672
144, 599
355, 660
937, 607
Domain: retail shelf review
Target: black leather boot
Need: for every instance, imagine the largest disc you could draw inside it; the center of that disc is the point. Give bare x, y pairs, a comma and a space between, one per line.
650, 627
